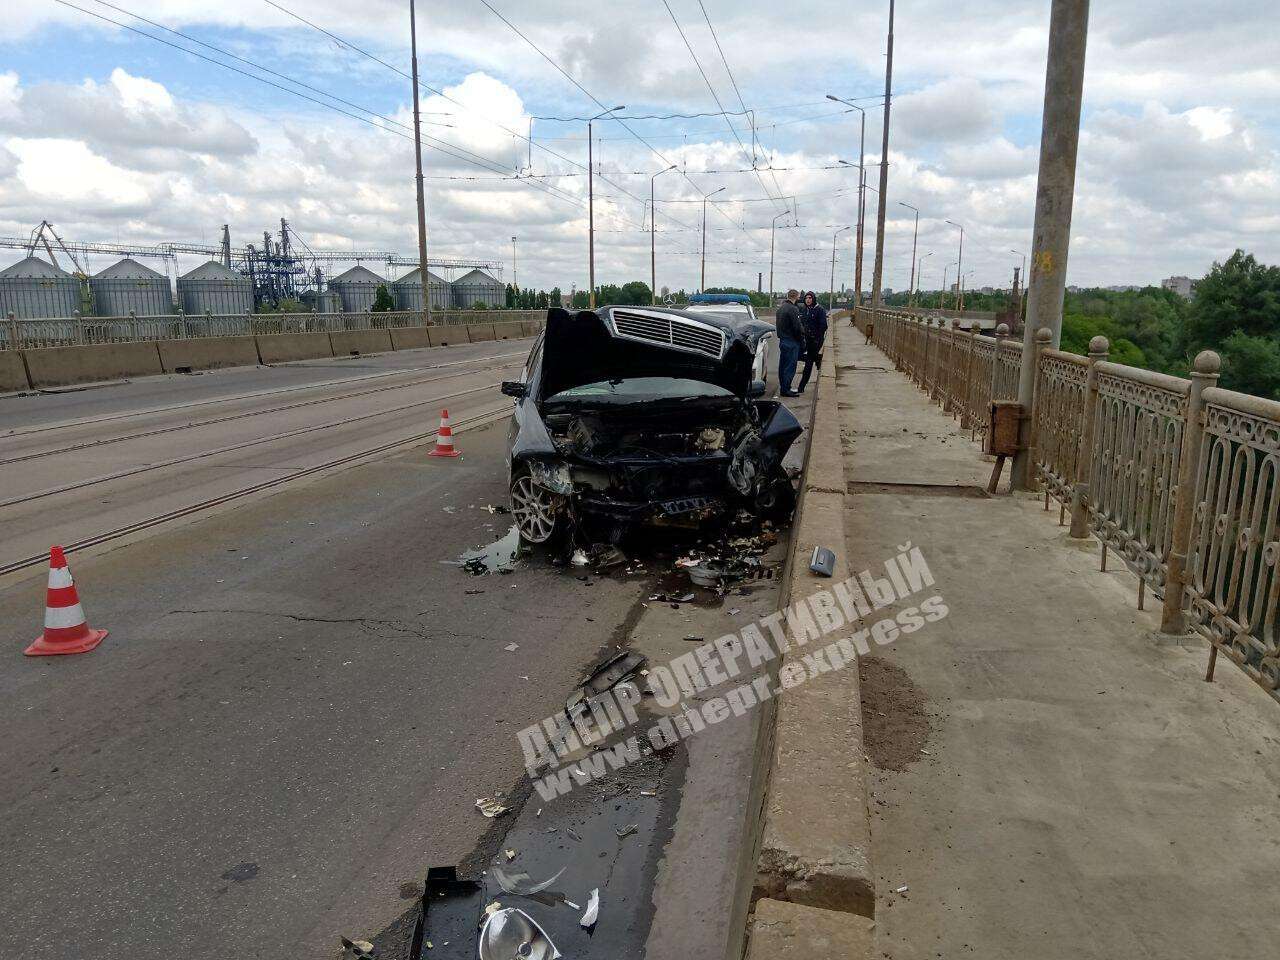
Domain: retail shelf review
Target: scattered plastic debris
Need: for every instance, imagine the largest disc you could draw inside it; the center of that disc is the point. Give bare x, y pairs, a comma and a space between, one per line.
592, 913
358, 948
491, 807
511, 934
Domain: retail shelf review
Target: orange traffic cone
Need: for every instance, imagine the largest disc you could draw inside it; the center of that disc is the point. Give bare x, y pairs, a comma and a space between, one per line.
65, 627
444, 438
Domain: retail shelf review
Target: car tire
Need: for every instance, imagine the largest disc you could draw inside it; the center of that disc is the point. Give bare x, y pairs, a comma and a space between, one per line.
538, 512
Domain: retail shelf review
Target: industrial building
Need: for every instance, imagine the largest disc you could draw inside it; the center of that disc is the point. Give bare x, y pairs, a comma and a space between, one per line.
408, 291
214, 288
357, 288
477, 286
127, 287
36, 288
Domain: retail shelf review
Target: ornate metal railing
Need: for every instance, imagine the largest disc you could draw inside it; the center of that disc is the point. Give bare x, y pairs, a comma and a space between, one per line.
1179, 478
19, 333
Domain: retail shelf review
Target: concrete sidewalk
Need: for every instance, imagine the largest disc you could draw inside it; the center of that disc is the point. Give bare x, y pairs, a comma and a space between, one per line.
1048, 781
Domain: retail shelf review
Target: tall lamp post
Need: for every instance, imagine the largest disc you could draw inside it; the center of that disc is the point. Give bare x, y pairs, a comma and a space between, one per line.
703, 286
653, 255
919, 274
862, 190
417, 157
915, 235
772, 233
591, 203
831, 297
515, 282
1022, 296
959, 267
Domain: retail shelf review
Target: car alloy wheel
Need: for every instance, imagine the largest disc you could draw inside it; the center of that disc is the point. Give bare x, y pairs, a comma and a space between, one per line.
535, 508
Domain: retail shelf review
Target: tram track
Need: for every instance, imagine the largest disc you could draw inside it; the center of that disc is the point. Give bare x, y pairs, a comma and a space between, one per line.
474, 421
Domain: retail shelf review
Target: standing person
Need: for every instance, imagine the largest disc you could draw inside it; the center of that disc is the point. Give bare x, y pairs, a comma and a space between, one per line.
815, 329
791, 338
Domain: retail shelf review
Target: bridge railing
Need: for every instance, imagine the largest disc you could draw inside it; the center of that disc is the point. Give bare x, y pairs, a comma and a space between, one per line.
1179, 478
27, 333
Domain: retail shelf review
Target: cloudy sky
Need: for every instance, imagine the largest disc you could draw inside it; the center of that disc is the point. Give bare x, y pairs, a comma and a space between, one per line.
115, 136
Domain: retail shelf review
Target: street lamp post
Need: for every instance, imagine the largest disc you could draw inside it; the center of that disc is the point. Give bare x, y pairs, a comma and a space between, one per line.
862, 192
703, 286
417, 157
919, 273
959, 263
515, 281
831, 296
773, 230
653, 256
915, 235
1022, 294
591, 204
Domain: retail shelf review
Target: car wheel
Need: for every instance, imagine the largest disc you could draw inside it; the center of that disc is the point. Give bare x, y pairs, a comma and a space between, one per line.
538, 511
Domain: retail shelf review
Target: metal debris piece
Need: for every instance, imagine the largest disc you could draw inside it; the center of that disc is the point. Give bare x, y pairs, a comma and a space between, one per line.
612, 672
491, 807
626, 831
512, 934
573, 833
605, 556
592, 913
692, 638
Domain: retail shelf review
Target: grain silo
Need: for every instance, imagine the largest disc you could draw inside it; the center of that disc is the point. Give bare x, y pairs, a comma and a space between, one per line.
478, 287
357, 288
408, 291
36, 288
129, 287
328, 301
214, 288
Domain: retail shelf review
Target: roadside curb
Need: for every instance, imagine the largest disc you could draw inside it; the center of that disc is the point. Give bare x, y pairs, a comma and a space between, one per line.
815, 836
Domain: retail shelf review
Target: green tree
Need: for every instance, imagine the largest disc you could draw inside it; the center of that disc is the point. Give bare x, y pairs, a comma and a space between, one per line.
382, 302
510, 301
1251, 364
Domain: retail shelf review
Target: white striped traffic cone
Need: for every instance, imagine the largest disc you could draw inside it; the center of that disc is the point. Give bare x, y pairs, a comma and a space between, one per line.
65, 627
444, 438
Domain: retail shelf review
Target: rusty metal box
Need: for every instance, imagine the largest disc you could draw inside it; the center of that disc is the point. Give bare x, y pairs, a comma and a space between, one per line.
1002, 429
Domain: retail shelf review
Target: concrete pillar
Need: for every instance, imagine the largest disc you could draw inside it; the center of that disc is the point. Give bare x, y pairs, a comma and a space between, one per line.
1042, 342
1099, 347
1204, 373
1055, 193
883, 195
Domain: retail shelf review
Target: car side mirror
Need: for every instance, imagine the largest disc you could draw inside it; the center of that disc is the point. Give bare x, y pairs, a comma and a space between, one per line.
513, 388
756, 389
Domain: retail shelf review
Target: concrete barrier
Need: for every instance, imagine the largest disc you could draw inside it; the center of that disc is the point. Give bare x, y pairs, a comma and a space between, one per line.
449, 335
347, 342
410, 338
13, 372
479, 332
59, 366
287, 347
815, 843
509, 330
207, 353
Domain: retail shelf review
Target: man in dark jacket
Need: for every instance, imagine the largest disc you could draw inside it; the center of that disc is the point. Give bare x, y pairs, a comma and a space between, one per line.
791, 338
815, 330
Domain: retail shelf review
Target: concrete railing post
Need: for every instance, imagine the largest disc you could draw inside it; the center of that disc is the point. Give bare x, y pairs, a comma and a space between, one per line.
1204, 374
924, 360
79, 322
182, 324
1099, 347
1043, 340
953, 368
966, 405
15, 342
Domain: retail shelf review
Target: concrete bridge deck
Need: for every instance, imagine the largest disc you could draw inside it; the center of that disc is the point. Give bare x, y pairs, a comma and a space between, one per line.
1049, 780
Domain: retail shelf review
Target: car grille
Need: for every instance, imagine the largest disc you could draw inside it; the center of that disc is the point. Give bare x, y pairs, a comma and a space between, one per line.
669, 331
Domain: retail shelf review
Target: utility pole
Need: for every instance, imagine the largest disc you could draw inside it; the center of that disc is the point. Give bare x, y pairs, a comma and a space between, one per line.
417, 157
1055, 193
514, 281
884, 167
703, 287
653, 255
772, 233
591, 205
831, 297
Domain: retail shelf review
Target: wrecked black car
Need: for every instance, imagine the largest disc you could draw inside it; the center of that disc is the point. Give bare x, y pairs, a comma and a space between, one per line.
646, 415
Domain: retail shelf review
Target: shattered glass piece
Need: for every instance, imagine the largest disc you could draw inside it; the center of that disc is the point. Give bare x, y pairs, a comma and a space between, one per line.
628, 830
520, 883
511, 934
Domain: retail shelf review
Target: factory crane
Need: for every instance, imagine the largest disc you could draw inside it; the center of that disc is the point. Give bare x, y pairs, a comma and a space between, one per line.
40, 237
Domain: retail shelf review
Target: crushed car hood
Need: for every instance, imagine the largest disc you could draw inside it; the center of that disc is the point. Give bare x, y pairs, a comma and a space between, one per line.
581, 348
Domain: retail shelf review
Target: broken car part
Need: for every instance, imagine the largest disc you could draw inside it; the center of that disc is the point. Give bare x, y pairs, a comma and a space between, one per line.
823, 562
511, 934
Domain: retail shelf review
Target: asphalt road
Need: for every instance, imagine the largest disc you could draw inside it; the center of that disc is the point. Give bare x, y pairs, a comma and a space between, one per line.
302, 697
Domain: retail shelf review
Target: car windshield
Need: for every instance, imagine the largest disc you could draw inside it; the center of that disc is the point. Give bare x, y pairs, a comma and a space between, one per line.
640, 389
